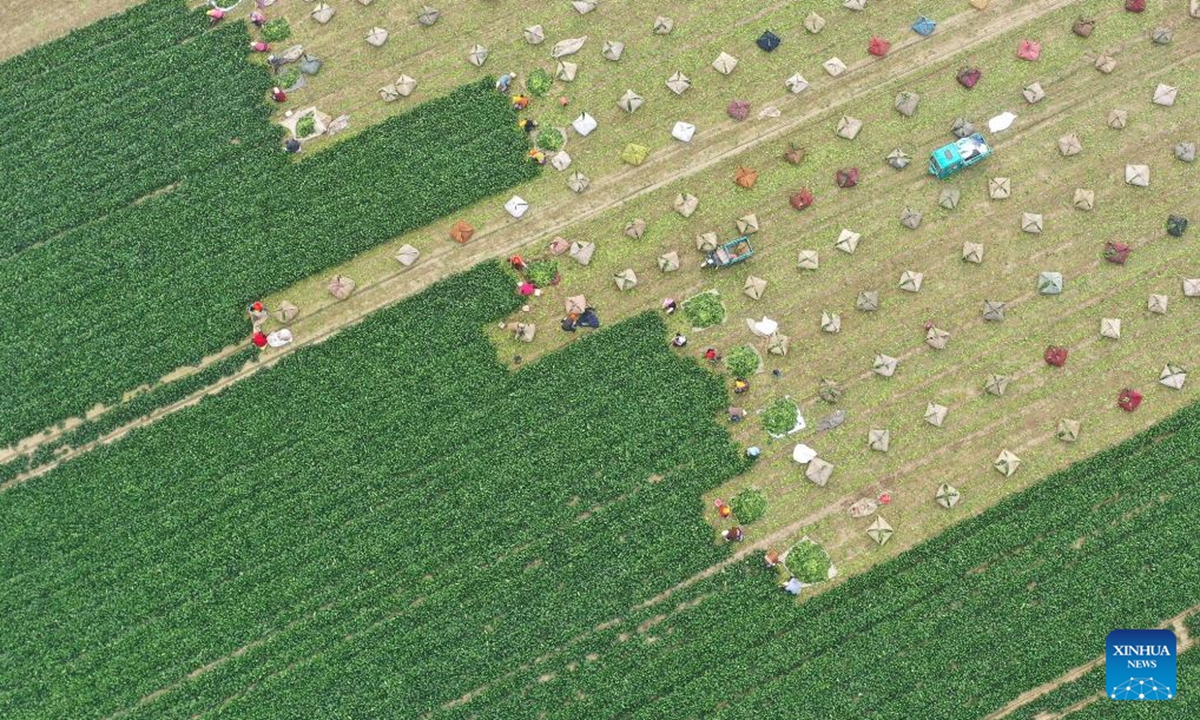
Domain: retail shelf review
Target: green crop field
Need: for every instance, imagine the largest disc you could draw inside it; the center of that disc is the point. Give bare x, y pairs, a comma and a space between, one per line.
434, 503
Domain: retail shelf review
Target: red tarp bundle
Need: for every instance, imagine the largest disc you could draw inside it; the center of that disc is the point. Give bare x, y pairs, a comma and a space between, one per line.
1116, 252
461, 232
968, 77
846, 177
1135, 5
1056, 356
1029, 50
801, 199
1129, 400
878, 46
738, 109
259, 339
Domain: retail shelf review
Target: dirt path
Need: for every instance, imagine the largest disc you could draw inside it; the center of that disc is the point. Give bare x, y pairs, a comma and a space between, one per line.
1176, 623
722, 143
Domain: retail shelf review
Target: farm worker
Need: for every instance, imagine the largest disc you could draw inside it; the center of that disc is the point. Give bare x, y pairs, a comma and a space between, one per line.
777, 372
753, 451
216, 15
711, 355
278, 95
771, 558
537, 156
517, 263
733, 534
740, 386
669, 305
259, 339
259, 46
679, 340
563, 101
527, 124
724, 510
526, 289
520, 102
505, 81
256, 306
258, 18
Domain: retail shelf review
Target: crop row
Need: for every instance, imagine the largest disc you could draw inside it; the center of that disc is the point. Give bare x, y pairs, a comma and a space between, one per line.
98, 133
459, 484
162, 283
999, 604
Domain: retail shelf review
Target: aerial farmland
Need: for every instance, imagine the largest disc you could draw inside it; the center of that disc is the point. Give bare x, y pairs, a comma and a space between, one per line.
599, 359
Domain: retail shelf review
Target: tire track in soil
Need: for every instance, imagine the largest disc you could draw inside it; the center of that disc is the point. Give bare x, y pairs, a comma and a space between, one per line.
1175, 623
609, 193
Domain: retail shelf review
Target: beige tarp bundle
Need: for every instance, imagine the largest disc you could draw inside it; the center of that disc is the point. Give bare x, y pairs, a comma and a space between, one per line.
863, 507
809, 260
848, 127
754, 287
949, 198
668, 262
582, 252
1172, 376
678, 83
566, 71
1137, 175
1050, 282
389, 93
947, 495
996, 384
1157, 304
663, 25
407, 255
880, 531
847, 241
910, 281
583, 7
575, 304
748, 224
979, 4
972, 252
292, 54
1006, 463
935, 414
322, 13
778, 344
855, 5
834, 66
626, 279
561, 160
796, 83
287, 312
686, 204
910, 218
1033, 93
1068, 430
1069, 145
1118, 119
612, 50
377, 36
1084, 199
898, 159
878, 440
868, 301
999, 188
535, 35
405, 85
635, 228
936, 338
885, 365
814, 23
993, 311
428, 16
341, 286
906, 103
819, 471
1191, 287
831, 322
706, 242
477, 55
578, 182
1110, 328
1165, 94
1031, 223
1106, 64
725, 63
630, 101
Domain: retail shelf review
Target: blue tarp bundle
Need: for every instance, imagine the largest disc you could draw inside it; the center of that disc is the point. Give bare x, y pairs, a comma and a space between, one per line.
924, 26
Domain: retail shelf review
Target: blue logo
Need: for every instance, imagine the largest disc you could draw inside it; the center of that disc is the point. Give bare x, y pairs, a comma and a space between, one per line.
1140, 665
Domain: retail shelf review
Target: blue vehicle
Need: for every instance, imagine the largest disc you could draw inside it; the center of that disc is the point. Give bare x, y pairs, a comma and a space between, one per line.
731, 253
949, 159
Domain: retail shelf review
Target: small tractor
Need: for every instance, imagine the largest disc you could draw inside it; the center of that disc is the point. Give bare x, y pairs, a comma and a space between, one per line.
730, 253
949, 159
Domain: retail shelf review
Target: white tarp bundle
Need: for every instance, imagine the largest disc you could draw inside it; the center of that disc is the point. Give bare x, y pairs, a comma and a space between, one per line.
516, 206
279, 338
683, 131
1001, 122
584, 124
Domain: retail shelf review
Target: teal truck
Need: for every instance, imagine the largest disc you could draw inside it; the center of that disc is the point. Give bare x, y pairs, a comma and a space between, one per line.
963, 153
